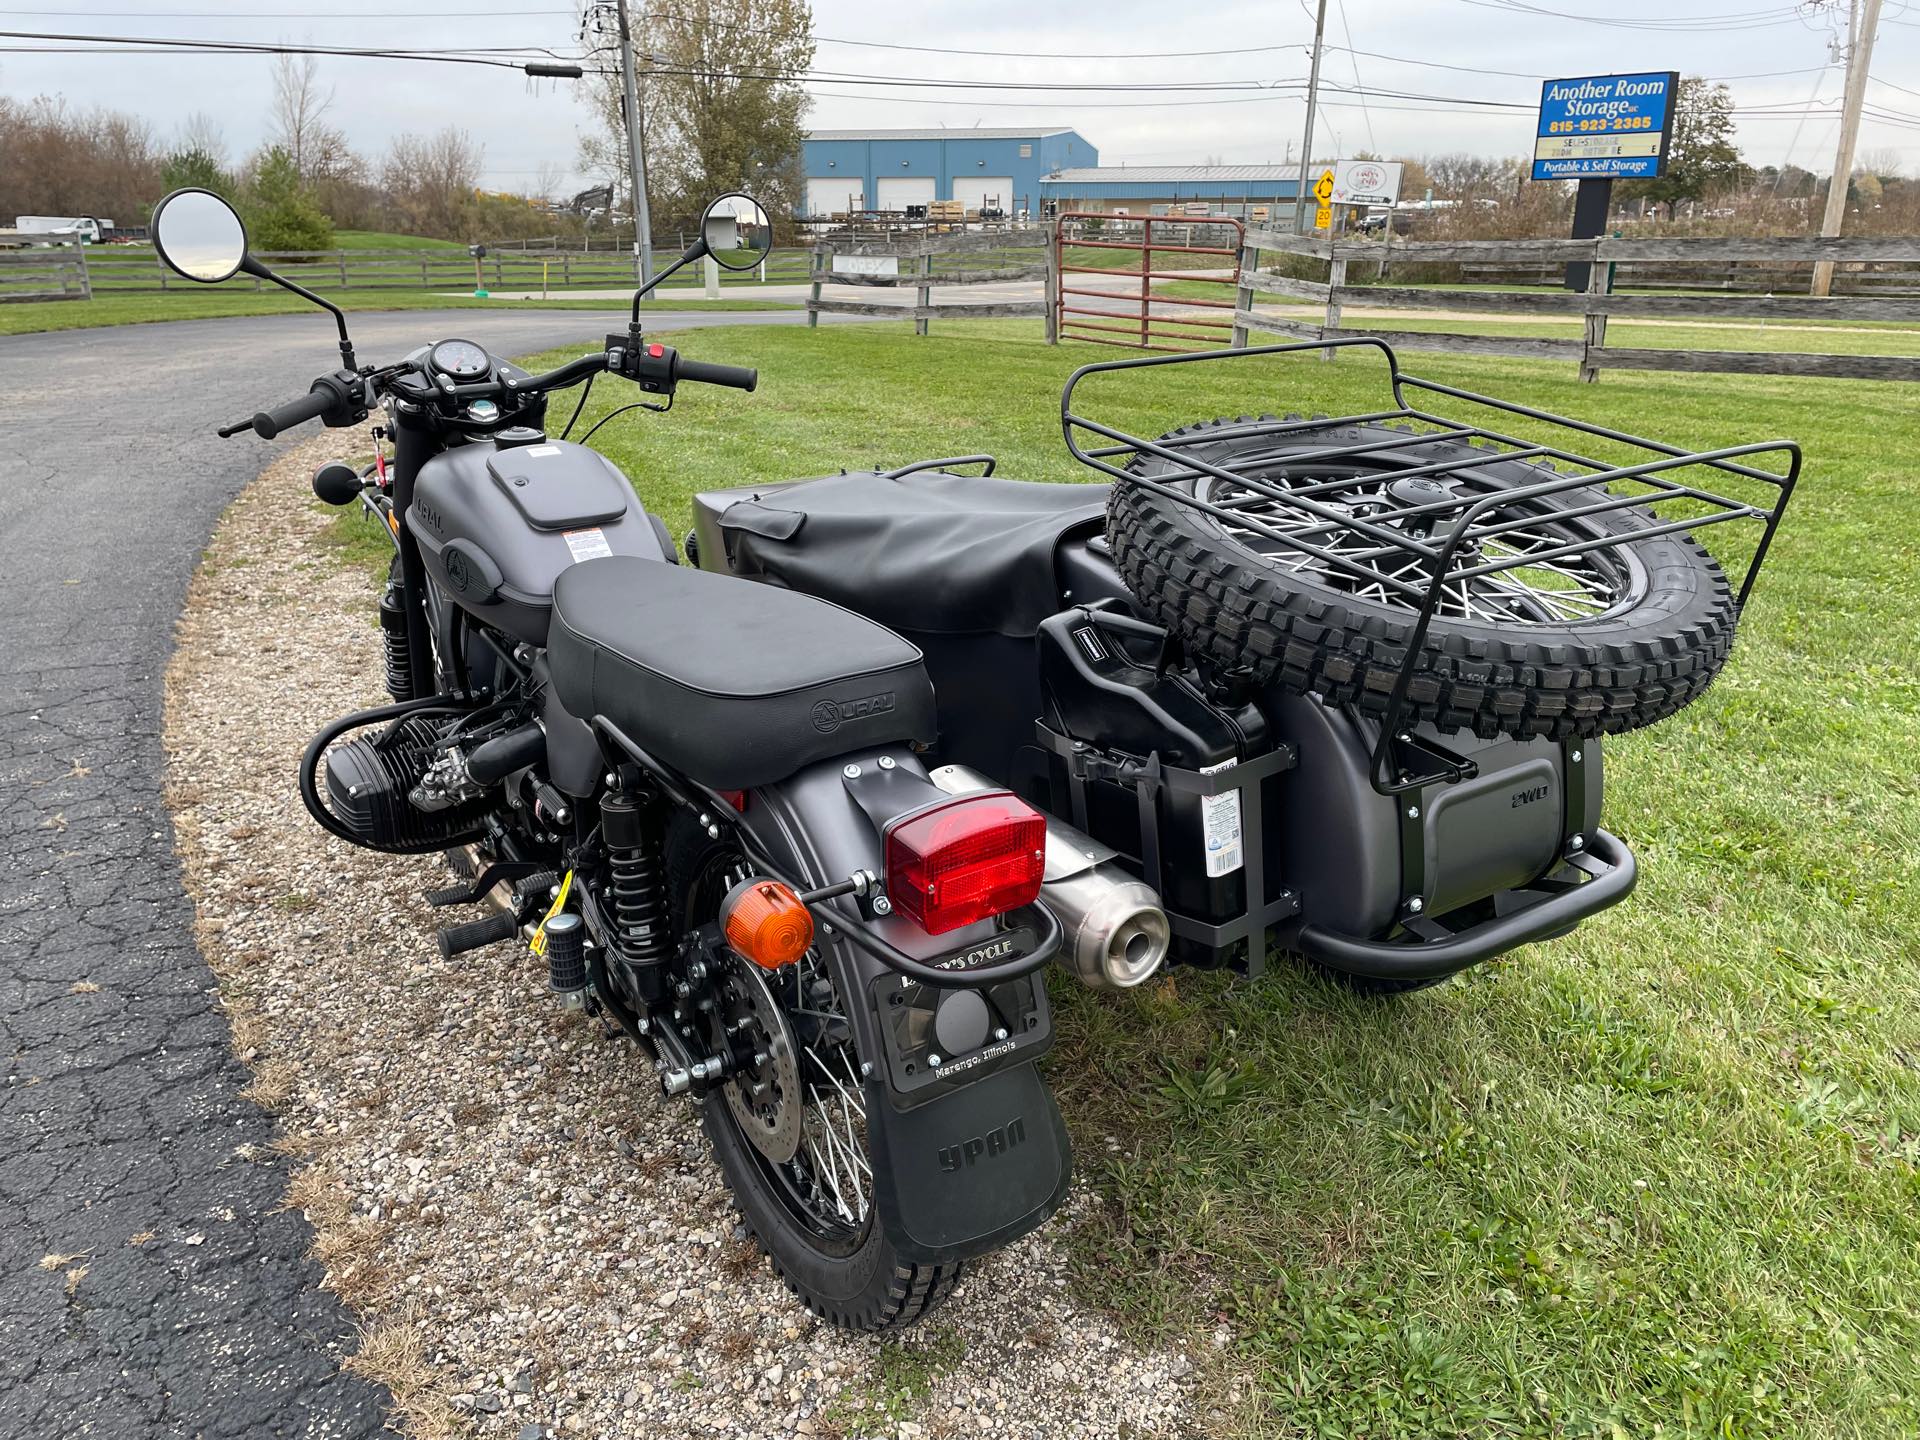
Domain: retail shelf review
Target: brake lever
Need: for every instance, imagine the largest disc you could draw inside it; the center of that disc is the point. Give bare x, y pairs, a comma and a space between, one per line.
227, 432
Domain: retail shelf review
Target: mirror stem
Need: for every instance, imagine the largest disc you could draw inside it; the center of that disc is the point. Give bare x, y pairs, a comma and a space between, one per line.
692, 253
251, 266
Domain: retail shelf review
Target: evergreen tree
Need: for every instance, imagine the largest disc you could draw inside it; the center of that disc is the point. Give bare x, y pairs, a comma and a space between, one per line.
1701, 156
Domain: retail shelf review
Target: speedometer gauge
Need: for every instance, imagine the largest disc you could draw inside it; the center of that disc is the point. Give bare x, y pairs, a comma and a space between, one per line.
460, 359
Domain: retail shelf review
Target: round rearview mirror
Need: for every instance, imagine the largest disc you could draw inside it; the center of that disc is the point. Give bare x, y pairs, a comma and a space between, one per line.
199, 236
737, 231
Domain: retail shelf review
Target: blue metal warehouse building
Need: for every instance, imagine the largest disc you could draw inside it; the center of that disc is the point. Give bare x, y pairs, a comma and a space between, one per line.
892, 169
1018, 170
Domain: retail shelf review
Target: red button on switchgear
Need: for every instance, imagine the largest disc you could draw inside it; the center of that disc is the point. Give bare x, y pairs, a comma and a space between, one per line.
656, 351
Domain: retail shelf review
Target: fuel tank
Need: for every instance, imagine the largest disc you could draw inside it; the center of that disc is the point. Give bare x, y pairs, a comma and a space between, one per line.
498, 522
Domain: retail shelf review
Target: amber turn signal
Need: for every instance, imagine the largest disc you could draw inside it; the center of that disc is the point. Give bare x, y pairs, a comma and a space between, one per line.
765, 922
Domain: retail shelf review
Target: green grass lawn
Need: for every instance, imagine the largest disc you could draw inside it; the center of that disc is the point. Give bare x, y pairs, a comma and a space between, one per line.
1658, 1178
217, 303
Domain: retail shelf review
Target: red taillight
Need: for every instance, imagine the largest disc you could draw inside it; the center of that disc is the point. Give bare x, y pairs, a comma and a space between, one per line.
964, 860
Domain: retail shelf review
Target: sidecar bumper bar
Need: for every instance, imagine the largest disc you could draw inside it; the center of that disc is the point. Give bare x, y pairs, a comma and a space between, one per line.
1432, 951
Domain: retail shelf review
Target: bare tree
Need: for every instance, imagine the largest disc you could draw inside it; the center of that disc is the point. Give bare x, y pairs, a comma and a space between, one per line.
549, 181
1883, 161
59, 161
300, 106
201, 132
429, 182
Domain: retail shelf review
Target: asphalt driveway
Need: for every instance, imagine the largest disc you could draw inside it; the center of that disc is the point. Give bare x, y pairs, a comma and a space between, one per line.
147, 1286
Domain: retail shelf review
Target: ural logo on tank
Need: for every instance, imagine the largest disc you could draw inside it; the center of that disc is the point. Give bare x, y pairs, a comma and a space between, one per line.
987, 1146
830, 715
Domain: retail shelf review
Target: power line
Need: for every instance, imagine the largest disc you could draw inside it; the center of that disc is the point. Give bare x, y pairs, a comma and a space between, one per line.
1353, 59
1731, 20
464, 14
1249, 91
456, 54
670, 18
960, 130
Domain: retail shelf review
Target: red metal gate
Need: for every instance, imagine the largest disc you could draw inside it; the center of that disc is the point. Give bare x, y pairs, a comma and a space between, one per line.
1129, 317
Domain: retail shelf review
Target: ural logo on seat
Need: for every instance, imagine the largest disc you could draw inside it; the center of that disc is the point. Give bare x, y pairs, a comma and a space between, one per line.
830, 715
994, 1142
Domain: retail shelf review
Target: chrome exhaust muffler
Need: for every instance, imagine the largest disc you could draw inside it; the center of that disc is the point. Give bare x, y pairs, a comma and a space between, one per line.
1116, 933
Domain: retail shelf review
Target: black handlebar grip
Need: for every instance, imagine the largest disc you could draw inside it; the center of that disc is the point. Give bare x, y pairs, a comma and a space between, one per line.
737, 377
317, 401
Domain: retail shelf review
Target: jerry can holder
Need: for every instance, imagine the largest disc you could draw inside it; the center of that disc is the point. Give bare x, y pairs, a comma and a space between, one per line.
1267, 904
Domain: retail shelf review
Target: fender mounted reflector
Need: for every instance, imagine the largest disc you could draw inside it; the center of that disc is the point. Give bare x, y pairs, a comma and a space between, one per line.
973, 857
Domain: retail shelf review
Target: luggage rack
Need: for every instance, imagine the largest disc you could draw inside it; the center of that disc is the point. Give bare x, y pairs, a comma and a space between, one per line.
1439, 544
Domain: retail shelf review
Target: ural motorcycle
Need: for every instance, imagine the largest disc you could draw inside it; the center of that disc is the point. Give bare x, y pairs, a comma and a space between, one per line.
808, 813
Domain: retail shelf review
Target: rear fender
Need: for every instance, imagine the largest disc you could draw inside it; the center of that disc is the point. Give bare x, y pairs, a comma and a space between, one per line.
967, 1154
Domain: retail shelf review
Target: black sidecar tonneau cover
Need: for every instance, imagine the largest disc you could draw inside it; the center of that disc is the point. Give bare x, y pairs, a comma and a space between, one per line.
928, 552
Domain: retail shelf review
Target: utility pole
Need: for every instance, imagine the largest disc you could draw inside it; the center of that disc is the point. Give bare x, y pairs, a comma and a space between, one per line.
1863, 18
636, 151
1306, 142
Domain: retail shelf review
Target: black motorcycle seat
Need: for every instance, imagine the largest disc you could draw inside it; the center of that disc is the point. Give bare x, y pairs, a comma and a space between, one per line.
730, 682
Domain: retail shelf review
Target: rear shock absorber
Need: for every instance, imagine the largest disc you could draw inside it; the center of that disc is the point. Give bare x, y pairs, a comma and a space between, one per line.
393, 638
637, 892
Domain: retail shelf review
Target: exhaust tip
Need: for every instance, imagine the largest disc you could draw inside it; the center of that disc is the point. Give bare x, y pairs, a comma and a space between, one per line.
1135, 948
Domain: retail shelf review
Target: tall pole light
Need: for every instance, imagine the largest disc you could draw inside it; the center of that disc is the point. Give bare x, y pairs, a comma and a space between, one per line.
1863, 18
636, 151
1306, 141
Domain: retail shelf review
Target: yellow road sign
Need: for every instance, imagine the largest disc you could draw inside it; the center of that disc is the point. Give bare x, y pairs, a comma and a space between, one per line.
1323, 187
1322, 217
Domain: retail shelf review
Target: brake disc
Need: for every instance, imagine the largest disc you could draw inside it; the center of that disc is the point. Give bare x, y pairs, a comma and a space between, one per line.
764, 1092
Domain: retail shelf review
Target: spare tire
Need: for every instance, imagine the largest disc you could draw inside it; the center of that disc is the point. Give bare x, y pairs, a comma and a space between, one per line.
1600, 642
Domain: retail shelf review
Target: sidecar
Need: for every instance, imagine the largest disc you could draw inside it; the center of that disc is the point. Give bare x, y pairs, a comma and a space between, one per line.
1347, 822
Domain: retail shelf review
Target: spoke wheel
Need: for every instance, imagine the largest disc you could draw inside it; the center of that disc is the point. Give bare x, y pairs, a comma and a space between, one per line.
797, 1098
1554, 590
789, 1127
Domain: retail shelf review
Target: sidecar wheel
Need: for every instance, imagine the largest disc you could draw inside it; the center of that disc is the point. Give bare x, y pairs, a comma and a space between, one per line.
810, 1214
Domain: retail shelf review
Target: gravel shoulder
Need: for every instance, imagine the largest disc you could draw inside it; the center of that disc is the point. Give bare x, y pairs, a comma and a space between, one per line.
532, 1240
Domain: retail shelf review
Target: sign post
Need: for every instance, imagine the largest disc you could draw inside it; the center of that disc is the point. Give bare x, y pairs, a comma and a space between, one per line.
1323, 197
1599, 128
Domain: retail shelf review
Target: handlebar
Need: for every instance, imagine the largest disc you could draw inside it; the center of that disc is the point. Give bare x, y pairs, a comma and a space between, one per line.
344, 396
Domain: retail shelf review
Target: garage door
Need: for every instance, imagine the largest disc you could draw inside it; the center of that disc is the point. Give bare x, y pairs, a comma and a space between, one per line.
981, 192
832, 195
897, 192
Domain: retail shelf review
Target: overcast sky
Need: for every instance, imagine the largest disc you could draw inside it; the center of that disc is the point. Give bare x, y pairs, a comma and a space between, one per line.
524, 125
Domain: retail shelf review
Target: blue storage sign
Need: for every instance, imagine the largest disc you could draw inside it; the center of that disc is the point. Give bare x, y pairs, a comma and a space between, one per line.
1605, 125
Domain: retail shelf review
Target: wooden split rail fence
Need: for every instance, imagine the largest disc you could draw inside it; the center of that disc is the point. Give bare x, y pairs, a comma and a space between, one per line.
1594, 306
52, 272
117, 270
936, 262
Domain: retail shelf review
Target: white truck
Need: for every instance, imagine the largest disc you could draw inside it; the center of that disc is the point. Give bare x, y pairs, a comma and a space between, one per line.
88, 229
